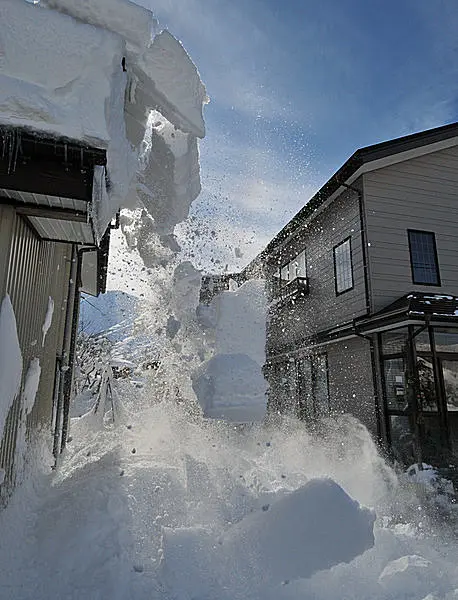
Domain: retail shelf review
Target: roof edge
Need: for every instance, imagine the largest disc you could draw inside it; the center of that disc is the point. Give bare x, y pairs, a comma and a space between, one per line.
359, 158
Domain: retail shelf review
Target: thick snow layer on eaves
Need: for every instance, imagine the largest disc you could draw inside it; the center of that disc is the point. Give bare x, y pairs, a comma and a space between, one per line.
55, 73
61, 73
123, 17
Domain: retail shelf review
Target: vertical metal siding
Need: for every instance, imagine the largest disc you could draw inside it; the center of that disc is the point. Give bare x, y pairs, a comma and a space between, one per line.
36, 270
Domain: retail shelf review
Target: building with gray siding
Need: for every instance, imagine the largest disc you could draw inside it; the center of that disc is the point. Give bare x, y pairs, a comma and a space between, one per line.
364, 298
48, 255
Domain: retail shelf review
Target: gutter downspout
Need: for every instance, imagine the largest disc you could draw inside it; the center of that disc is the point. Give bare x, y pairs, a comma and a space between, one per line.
67, 388
66, 345
362, 224
362, 221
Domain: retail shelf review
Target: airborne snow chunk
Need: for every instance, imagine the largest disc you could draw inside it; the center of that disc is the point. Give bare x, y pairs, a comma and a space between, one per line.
231, 387
172, 81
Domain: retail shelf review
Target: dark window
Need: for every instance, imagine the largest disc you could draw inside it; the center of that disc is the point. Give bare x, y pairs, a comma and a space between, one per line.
343, 268
423, 257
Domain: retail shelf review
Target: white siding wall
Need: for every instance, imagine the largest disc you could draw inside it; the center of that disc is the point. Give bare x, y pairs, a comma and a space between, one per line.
421, 193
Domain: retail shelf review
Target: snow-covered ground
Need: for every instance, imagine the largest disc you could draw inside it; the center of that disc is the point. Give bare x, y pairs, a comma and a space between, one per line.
165, 505
151, 500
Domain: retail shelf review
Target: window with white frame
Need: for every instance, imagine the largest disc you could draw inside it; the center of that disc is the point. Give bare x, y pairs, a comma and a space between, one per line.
343, 268
297, 267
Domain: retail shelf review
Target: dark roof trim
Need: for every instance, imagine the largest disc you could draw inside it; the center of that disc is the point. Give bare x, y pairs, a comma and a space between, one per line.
418, 306
357, 160
72, 151
39, 163
102, 270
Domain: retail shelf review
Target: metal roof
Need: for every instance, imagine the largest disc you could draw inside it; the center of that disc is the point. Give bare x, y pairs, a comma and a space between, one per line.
417, 306
62, 231
45, 200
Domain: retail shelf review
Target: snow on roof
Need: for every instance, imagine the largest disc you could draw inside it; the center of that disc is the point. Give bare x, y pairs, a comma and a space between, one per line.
129, 20
91, 71
172, 82
55, 73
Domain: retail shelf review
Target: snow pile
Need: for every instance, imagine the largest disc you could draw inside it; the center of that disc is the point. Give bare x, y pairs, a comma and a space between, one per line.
411, 572
10, 360
159, 505
231, 384
311, 529
92, 71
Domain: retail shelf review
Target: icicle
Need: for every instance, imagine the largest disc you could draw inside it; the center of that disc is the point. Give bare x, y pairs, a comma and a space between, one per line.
17, 149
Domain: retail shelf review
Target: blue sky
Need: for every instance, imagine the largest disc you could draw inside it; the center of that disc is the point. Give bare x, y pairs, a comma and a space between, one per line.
295, 87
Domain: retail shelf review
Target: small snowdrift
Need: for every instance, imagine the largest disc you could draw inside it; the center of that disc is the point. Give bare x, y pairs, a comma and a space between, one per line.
309, 530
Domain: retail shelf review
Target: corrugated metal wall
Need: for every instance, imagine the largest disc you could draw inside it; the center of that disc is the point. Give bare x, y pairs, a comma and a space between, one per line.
32, 271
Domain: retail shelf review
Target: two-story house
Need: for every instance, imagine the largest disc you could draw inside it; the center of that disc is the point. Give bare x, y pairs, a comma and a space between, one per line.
364, 288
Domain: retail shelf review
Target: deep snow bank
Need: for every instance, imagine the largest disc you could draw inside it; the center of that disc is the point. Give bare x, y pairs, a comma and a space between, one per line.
311, 529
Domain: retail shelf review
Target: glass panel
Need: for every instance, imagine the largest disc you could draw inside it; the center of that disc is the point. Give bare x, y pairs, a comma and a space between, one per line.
285, 273
432, 440
427, 400
395, 384
393, 342
423, 257
343, 267
288, 387
450, 372
422, 342
453, 430
402, 440
446, 340
301, 265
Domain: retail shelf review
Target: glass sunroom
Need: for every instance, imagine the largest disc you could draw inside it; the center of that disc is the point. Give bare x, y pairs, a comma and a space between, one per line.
417, 341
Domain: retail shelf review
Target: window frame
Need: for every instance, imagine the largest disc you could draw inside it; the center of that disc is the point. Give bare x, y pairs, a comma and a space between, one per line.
436, 258
349, 289
290, 265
